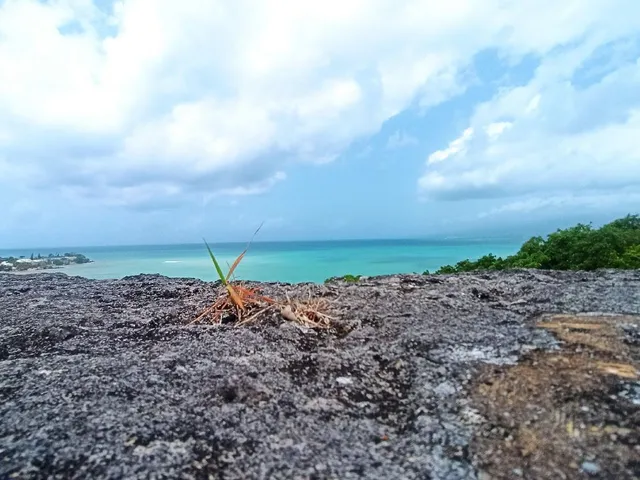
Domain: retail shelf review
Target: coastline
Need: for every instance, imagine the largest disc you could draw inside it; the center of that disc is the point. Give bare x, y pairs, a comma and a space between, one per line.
21, 263
36, 271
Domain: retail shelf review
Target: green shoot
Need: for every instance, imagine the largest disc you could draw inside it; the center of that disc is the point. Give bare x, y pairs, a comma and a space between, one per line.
236, 298
223, 279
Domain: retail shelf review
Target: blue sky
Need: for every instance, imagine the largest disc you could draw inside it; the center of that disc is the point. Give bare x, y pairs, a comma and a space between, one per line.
140, 121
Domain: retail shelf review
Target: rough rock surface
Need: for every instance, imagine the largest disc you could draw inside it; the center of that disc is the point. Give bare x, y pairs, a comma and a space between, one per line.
104, 379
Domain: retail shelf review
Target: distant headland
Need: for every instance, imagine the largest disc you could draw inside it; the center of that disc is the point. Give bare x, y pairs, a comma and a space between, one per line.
39, 262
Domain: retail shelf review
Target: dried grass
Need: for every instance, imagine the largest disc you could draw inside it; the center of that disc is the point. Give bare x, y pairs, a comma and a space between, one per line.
310, 313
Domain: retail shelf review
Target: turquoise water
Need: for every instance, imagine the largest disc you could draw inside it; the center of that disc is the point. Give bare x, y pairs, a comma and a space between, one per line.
278, 261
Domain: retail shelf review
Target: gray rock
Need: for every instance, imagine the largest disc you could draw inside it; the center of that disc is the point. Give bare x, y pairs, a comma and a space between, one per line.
590, 467
104, 379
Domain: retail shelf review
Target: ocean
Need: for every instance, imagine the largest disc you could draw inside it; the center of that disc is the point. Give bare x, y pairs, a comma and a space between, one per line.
291, 262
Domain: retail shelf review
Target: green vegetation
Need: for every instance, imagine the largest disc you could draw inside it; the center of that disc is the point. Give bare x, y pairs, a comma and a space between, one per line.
13, 264
345, 278
351, 278
615, 245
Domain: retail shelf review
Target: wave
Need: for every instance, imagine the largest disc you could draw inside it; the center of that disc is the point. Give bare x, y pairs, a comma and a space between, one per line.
172, 261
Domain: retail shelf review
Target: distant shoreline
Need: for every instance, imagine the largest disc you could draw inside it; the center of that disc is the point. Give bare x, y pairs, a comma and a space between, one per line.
41, 264
34, 270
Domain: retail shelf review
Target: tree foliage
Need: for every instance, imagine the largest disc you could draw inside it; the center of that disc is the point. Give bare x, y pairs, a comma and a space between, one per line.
614, 245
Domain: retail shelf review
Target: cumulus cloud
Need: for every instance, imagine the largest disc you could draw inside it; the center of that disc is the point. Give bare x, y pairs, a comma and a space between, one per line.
558, 133
457, 146
158, 99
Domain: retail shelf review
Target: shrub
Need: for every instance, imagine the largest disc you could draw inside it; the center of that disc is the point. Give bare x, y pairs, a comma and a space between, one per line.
81, 258
615, 245
345, 278
631, 257
351, 278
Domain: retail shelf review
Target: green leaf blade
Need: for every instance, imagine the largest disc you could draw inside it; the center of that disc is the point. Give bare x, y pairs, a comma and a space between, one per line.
223, 279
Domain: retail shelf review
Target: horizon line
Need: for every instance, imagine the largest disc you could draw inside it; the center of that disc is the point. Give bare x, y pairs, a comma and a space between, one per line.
237, 242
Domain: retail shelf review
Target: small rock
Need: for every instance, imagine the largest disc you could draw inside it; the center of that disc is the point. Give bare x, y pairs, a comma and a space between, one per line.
344, 380
590, 468
444, 389
482, 475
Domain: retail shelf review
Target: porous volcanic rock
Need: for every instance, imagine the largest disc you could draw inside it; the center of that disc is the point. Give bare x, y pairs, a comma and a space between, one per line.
424, 377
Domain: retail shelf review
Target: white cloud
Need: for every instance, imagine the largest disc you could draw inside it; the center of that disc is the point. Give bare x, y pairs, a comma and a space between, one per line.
253, 189
494, 130
549, 136
155, 98
456, 147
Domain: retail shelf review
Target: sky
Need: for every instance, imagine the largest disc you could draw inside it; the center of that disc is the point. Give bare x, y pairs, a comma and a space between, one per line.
163, 121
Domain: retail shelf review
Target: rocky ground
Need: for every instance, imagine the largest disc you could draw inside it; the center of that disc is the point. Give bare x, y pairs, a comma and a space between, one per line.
499, 375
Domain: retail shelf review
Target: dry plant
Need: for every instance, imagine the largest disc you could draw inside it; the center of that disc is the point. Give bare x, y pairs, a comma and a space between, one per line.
310, 313
247, 305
